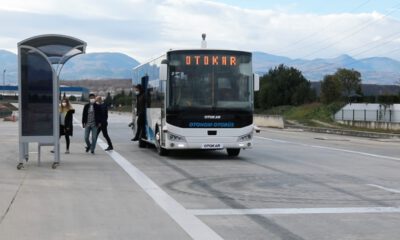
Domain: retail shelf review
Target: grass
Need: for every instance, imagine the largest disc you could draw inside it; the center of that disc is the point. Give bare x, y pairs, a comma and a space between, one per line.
313, 111
307, 114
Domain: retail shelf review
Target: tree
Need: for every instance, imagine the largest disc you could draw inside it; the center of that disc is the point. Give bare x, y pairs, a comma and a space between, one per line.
284, 86
331, 89
350, 81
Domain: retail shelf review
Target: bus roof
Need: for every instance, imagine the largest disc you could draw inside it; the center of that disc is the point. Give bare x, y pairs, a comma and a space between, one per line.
206, 49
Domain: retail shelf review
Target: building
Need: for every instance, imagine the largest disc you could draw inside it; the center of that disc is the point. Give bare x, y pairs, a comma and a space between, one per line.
78, 92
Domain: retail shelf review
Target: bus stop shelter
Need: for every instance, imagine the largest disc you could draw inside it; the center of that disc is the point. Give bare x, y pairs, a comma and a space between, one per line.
40, 60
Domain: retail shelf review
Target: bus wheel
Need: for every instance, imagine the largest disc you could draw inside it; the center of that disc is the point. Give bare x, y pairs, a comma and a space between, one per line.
161, 151
233, 152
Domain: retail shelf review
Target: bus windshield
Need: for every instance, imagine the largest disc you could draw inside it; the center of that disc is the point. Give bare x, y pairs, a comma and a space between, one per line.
210, 79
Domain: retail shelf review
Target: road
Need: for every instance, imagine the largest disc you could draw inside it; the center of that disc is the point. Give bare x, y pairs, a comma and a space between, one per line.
291, 185
287, 170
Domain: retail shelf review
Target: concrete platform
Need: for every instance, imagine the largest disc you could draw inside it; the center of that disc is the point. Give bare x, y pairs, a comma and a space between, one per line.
87, 197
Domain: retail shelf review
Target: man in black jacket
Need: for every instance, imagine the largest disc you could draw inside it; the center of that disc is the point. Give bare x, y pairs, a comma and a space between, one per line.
140, 113
104, 123
91, 121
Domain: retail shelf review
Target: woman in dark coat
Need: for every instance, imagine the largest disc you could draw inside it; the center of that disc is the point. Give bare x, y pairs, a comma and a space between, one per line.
66, 121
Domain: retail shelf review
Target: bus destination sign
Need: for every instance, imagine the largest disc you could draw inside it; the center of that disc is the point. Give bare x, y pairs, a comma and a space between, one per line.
215, 60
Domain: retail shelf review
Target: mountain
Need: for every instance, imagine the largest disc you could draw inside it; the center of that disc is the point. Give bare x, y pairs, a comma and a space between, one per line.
98, 66
375, 70
85, 66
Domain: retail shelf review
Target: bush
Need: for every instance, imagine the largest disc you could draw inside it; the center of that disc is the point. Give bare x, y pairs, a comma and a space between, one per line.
72, 98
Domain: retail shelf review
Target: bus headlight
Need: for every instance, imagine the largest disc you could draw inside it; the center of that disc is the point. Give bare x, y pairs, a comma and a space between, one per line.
176, 138
246, 137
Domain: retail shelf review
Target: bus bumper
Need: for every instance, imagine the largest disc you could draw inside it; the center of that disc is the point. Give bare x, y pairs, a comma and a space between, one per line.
177, 138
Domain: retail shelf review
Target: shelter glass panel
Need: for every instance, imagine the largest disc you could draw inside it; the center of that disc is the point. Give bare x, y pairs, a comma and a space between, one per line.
37, 94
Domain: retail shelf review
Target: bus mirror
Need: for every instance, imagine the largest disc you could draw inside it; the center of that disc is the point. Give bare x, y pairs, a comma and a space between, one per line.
163, 72
256, 78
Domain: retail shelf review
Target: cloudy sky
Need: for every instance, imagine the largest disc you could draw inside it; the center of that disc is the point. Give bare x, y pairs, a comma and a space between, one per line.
145, 28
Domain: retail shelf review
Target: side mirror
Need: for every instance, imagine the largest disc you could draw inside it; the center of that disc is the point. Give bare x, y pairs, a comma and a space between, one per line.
164, 71
256, 78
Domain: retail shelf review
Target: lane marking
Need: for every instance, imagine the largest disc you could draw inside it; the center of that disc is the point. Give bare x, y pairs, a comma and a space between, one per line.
186, 220
331, 148
292, 211
195, 228
384, 188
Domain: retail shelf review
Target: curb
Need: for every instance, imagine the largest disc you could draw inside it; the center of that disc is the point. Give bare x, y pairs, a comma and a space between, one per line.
347, 132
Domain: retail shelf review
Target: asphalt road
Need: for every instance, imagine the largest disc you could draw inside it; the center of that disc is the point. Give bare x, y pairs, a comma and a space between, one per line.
291, 185
321, 186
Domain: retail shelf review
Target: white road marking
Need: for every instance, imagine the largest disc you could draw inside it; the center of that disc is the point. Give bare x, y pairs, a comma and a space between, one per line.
384, 188
293, 211
186, 220
331, 148
195, 228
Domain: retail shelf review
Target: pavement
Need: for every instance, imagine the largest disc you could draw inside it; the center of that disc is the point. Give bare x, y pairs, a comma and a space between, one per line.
291, 185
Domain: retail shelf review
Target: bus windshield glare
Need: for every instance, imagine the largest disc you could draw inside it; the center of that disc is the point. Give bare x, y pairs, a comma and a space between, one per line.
210, 79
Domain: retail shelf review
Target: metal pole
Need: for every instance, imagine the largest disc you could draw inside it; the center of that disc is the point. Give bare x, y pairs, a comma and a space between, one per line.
4, 82
365, 115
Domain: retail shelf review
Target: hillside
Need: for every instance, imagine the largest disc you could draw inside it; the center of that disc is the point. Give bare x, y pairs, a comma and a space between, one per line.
99, 66
375, 70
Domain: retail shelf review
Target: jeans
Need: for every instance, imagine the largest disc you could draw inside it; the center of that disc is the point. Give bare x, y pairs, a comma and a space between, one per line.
92, 129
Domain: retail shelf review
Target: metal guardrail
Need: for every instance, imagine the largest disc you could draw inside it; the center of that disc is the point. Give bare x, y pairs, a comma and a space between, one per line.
368, 115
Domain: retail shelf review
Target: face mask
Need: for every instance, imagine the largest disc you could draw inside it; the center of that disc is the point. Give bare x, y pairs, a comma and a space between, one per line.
64, 104
137, 93
92, 100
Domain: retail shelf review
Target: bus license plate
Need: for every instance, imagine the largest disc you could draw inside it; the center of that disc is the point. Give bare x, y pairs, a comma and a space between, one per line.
212, 146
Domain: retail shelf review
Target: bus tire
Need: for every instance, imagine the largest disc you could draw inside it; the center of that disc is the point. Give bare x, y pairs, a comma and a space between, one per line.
160, 150
233, 152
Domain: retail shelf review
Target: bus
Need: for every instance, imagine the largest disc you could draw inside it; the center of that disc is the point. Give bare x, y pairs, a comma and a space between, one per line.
198, 99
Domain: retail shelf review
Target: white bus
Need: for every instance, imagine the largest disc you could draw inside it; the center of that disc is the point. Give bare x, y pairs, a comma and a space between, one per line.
198, 99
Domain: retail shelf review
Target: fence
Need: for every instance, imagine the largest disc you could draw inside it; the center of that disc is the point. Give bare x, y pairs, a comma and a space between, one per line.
387, 115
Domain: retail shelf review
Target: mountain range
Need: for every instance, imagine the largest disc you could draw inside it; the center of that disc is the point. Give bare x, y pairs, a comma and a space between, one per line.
376, 70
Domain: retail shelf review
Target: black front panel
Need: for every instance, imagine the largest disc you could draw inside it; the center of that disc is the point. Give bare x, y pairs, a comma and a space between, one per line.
202, 119
36, 95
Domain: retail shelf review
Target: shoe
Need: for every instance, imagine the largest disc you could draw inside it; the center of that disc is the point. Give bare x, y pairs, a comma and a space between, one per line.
67, 152
52, 151
92, 152
135, 139
109, 149
87, 148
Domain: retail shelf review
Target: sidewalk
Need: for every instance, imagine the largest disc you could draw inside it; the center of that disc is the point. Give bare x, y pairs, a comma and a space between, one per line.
86, 197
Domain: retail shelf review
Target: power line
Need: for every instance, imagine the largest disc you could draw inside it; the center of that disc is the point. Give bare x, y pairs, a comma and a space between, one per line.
318, 31
395, 8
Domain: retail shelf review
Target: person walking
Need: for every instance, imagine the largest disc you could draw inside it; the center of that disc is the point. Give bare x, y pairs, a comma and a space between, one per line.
66, 121
140, 113
104, 123
91, 121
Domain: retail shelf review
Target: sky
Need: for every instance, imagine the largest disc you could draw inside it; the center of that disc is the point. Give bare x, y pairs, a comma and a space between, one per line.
143, 29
